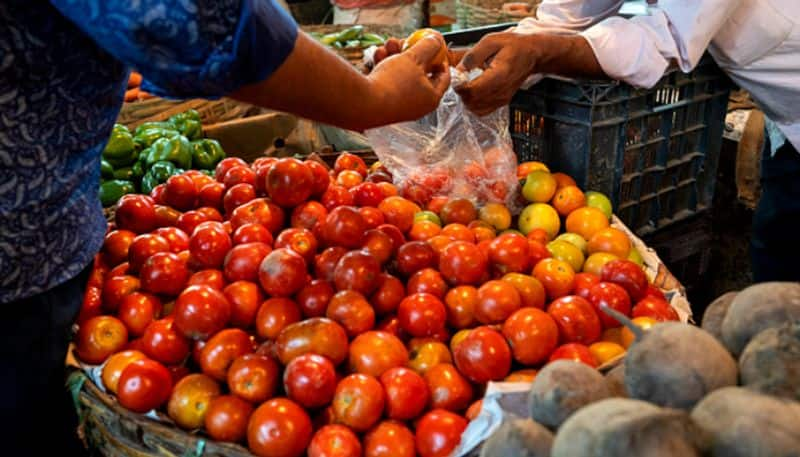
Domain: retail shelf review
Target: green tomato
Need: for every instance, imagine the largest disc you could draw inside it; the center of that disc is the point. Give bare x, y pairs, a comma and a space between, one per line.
575, 240
427, 216
599, 201
567, 252
636, 257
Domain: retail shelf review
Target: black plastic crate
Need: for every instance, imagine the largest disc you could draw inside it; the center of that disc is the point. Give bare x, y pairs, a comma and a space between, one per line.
654, 152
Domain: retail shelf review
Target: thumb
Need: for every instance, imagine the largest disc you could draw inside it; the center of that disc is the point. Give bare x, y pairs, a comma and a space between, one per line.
479, 55
424, 51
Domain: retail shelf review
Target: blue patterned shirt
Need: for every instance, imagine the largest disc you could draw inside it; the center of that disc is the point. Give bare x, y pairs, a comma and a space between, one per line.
64, 66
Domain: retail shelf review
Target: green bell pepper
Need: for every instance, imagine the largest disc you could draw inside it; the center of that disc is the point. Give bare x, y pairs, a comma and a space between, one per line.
113, 190
152, 125
161, 171
106, 170
148, 183
176, 149
138, 170
188, 123
120, 149
206, 154
147, 137
125, 174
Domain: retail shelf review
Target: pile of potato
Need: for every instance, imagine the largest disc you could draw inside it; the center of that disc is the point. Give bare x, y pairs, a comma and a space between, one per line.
679, 392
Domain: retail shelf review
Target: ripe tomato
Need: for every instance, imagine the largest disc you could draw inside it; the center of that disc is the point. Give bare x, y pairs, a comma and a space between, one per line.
656, 308
375, 352
227, 417
460, 303
458, 232
245, 298
289, 182
279, 428
189, 220
574, 351
299, 240
347, 161
537, 252
189, 400
310, 380
483, 356
137, 310
225, 165
406, 393
378, 245
449, 389
164, 273
116, 245
325, 263
144, 385
388, 295
317, 335
357, 271
222, 349
237, 196
628, 275
116, 288
428, 281
352, 311
308, 214
425, 353
241, 174
344, 226
208, 245
438, 433
334, 440
243, 260
532, 335
367, 194
162, 342
576, 319
358, 401
211, 278
178, 239
143, 247
463, 263
414, 256
254, 377
99, 337
113, 367
389, 439
211, 195
557, 277
136, 213
274, 315
180, 193
459, 211
496, 301
252, 233
201, 311
509, 253
321, 180
584, 283
282, 273
531, 291
314, 297
399, 212
336, 196
422, 315
256, 211
610, 295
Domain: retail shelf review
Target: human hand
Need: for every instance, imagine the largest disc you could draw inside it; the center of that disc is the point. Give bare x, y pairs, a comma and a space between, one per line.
410, 84
395, 45
507, 58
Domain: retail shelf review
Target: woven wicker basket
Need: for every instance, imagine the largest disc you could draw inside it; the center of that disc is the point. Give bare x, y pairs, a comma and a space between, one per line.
159, 109
477, 13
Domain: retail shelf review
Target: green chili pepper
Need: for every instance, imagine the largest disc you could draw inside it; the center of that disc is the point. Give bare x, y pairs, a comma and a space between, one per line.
351, 33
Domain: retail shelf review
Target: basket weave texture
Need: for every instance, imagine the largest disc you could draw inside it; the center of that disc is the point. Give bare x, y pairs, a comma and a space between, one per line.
477, 13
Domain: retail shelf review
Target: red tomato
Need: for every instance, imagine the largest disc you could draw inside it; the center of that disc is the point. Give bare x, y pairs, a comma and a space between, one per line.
321, 180
398, 239
388, 295
189, 220
99, 337
245, 298
180, 193
279, 428
367, 194
510, 253
241, 174
574, 351
162, 342
344, 226
254, 377
532, 335
610, 295
210, 213
358, 402
483, 355
116, 245
143, 247
576, 319
227, 417
357, 271
144, 385
655, 292
406, 393
628, 275
289, 182
137, 310
352, 311
460, 303
164, 273
119, 270
255, 211
237, 196
209, 245
449, 389
334, 440
497, 300
310, 380
314, 297
299, 240
252, 233
277, 219
325, 263
375, 352
92, 304
282, 273
428, 281
116, 288
438, 433
243, 260
462, 263
212, 278
201, 311
274, 315
414, 256
308, 214
157, 194
336, 196
225, 165
316, 335
656, 308
373, 217
222, 349
584, 283
389, 439
166, 216
178, 240
211, 195
347, 161
422, 315
136, 213
190, 398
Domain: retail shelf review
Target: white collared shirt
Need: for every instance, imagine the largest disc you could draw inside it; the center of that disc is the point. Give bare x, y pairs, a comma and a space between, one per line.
757, 42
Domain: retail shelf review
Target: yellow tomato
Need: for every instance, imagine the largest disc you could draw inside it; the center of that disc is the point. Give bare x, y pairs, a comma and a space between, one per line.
642, 322
612, 335
540, 215
594, 264
496, 215
414, 38
603, 351
568, 252
539, 187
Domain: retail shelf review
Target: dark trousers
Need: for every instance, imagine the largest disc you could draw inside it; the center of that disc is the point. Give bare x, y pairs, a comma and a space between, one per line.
36, 409
775, 246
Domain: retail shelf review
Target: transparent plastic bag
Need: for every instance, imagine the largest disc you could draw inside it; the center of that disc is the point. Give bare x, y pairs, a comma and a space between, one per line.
451, 152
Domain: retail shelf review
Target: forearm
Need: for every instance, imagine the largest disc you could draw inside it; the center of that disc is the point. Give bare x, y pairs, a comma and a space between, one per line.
566, 55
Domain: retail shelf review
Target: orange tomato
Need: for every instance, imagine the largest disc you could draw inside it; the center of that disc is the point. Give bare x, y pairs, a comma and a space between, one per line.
643, 323
586, 221
349, 179
594, 264
458, 232
567, 199
423, 230
525, 168
603, 351
524, 375
612, 241
563, 180
399, 212
425, 353
557, 277
439, 242
531, 291
388, 189
612, 335
538, 234
436, 204
483, 233
496, 215
114, 366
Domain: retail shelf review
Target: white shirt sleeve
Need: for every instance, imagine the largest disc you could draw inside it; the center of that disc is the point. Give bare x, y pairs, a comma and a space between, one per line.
639, 50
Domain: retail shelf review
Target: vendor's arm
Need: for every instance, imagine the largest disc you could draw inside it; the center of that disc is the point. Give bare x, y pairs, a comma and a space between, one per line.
636, 50
252, 48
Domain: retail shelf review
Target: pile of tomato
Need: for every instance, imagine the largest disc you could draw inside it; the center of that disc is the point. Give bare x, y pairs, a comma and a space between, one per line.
297, 309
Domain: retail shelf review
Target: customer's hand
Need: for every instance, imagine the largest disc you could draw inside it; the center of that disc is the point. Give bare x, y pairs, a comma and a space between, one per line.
410, 84
507, 59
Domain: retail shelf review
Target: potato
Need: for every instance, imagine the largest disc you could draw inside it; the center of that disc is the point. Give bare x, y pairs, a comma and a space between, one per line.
740, 422
561, 388
715, 313
615, 379
518, 438
770, 362
757, 308
622, 427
